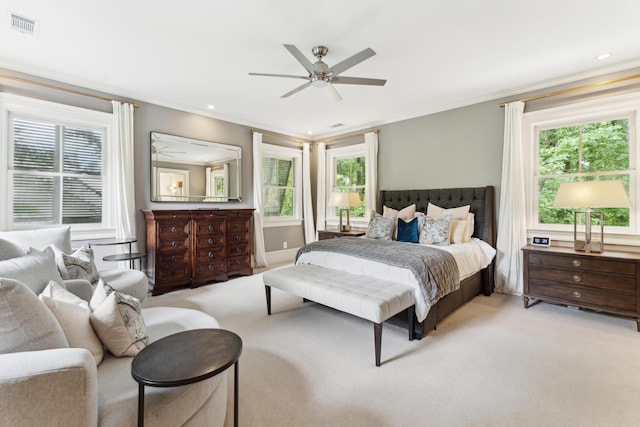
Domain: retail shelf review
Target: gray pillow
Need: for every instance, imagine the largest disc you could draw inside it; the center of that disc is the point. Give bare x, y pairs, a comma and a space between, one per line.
40, 238
380, 227
26, 324
34, 269
9, 250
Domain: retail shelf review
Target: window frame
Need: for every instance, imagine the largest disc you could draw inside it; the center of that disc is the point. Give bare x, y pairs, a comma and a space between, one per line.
294, 155
60, 114
619, 107
332, 155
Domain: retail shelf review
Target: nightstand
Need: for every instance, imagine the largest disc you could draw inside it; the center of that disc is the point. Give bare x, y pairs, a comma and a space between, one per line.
332, 234
606, 282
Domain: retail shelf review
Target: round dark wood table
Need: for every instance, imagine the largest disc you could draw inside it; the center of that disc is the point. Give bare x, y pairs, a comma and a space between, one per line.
186, 358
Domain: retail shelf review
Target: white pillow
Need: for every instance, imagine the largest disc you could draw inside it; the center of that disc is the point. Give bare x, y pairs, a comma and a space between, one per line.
407, 213
119, 324
73, 314
461, 230
459, 213
35, 269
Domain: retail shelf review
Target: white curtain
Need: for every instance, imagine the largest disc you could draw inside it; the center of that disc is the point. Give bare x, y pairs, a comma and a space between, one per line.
121, 171
260, 256
371, 155
307, 208
512, 223
321, 196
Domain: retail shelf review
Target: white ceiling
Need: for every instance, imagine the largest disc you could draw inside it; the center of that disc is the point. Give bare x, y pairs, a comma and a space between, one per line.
435, 54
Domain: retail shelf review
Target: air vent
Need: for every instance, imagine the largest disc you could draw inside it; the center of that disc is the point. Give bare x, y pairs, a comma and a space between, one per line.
24, 24
337, 125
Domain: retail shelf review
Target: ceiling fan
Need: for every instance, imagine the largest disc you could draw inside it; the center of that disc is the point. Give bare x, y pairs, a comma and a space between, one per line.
321, 75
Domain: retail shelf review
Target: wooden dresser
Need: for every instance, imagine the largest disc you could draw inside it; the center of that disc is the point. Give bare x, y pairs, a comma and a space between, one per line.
607, 282
194, 247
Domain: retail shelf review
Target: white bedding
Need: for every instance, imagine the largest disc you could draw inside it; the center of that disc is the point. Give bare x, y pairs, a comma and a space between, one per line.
470, 257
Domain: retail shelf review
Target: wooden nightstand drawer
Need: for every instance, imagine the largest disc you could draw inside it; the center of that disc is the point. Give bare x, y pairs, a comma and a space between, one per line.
581, 296
583, 278
583, 263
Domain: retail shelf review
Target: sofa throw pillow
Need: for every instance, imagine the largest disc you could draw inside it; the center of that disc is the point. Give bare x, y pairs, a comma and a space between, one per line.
380, 227
9, 250
435, 231
119, 324
25, 323
101, 292
40, 238
74, 316
408, 231
78, 265
461, 212
35, 269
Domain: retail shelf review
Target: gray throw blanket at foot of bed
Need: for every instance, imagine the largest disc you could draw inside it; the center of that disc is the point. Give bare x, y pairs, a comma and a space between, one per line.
436, 271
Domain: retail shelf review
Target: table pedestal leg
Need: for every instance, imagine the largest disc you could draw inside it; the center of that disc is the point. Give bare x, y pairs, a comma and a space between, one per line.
141, 405
235, 395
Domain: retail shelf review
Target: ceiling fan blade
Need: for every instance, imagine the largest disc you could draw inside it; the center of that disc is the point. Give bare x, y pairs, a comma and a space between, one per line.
357, 81
279, 75
332, 92
300, 57
296, 90
350, 62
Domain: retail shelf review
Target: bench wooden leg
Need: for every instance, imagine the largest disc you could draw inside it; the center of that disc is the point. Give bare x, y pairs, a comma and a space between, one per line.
267, 291
377, 337
411, 315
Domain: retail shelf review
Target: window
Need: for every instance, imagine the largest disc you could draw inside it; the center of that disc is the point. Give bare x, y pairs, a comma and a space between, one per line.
54, 167
281, 185
347, 172
594, 141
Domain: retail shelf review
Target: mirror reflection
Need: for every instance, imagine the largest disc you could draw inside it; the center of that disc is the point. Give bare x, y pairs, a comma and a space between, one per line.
193, 170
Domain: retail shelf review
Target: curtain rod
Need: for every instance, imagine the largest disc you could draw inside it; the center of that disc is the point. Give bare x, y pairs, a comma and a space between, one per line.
286, 138
342, 138
576, 89
64, 89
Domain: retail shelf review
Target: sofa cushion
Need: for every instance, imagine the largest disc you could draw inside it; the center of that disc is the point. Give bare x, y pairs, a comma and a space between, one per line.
130, 282
41, 238
73, 314
120, 325
25, 322
35, 269
9, 250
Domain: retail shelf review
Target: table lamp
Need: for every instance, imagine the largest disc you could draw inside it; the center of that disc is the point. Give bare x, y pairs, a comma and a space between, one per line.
345, 201
586, 195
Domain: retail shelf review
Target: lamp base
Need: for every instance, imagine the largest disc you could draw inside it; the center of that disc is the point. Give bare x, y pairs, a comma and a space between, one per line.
582, 246
345, 228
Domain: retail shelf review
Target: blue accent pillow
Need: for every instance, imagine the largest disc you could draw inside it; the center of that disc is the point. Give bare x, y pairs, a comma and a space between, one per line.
408, 231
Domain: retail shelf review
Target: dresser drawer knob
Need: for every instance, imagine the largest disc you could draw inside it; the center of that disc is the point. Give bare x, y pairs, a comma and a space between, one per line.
210, 267
577, 294
237, 237
576, 263
210, 254
210, 241
237, 225
173, 229
174, 215
238, 250
174, 258
174, 244
576, 278
210, 227
238, 261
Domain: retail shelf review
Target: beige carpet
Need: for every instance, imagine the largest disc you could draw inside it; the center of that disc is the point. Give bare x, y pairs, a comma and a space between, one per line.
491, 363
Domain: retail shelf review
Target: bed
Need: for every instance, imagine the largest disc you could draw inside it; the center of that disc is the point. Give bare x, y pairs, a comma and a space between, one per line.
482, 205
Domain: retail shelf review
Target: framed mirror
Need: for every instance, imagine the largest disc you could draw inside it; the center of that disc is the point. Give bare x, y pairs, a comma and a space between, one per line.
194, 170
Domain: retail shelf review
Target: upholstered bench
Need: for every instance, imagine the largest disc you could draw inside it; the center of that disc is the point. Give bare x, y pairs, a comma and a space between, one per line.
371, 299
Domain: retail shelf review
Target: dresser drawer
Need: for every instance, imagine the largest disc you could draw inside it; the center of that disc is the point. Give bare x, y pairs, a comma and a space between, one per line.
582, 296
174, 259
179, 274
214, 267
207, 242
178, 227
205, 256
237, 263
234, 238
238, 225
173, 243
583, 278
584, 263
208, 227
237, 250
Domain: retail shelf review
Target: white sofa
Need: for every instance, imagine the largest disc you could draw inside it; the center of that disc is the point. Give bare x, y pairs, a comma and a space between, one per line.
44, 382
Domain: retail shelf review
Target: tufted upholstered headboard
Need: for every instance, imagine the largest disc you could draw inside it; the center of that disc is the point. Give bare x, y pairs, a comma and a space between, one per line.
480, 198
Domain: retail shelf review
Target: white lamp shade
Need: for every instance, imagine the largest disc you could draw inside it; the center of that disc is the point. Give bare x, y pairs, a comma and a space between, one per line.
591, 194
345, 200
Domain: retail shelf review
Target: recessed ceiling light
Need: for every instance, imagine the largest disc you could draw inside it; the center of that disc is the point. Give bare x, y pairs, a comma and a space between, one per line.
211, 106
310, 132
603, 56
